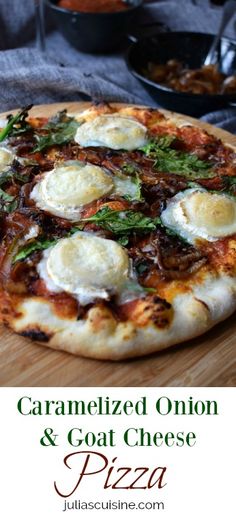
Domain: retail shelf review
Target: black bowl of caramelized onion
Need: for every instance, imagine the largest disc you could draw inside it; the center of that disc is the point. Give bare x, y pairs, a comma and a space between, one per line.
170, 66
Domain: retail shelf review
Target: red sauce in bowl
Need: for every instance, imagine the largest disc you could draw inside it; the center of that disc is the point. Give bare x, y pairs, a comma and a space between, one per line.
94, 6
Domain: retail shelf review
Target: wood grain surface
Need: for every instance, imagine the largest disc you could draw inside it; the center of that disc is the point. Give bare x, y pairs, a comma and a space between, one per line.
209, 360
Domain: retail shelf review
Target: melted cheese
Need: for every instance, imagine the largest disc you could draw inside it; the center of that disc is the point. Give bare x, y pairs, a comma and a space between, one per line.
6, 158
196, 213
113, 131
125, 186
64, 190
86, 266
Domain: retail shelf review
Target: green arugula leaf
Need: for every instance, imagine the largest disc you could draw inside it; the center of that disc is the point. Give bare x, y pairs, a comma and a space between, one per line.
162, 143
74, 230
12, 174
36, 245
16, 124
137, 181
12, 206
58, 120
230, 180
62, 129
176, 162
8, 203
129, 168
133, 182
150, 290
157, 221
123, 240
230, 185
5, 196
122, 222
40, 245
191, 184
172, 233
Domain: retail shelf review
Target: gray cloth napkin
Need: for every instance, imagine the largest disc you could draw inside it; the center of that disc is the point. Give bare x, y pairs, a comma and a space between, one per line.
225, 119
26, 76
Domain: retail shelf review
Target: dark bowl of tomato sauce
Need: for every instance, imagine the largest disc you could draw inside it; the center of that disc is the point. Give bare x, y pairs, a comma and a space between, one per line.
94, 26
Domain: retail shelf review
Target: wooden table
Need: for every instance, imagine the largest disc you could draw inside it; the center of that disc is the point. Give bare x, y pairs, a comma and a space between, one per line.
209, 360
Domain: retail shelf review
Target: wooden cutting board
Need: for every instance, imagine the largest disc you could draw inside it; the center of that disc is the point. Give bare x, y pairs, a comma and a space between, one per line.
209, 360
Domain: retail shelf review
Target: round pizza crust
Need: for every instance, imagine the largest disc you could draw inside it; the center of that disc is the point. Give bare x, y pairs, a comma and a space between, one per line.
101, 336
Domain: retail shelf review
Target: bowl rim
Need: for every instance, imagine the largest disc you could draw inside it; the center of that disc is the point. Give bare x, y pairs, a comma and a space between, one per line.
55, 7
159, 86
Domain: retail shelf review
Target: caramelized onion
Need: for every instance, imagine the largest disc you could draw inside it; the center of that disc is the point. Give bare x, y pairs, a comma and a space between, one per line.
173, 259
206, 80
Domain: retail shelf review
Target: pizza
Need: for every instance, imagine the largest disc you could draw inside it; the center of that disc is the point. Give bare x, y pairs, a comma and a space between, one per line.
118, 230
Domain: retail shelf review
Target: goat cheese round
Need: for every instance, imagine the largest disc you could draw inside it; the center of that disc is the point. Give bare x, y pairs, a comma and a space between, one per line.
67, 188
196, 213
86, 266
115, 132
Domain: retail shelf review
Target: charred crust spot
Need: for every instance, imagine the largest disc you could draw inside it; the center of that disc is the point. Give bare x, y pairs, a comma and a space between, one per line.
161, 312
163, 303
39, 335
159, 321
